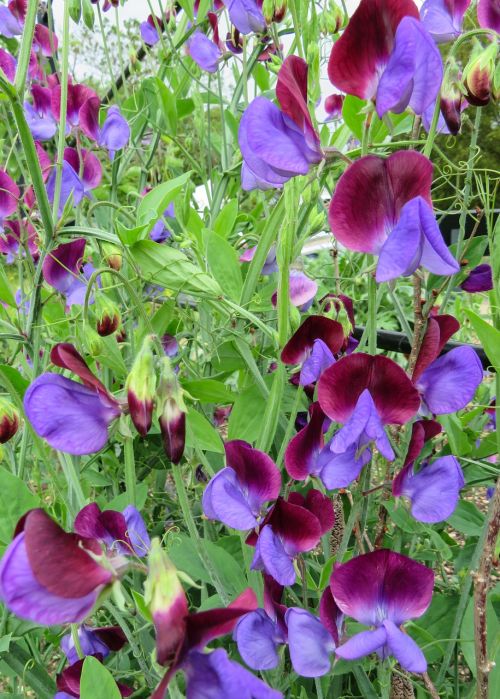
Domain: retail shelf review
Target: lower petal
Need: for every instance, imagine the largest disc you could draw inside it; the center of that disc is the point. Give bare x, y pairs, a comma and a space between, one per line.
255, 634
275, 560
362, 644
309, 643
404, 649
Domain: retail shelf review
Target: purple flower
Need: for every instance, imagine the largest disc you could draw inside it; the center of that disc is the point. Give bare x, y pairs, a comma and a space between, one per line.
302, 290
121, 532
39, 116
8, 64
246, 15
48, 576
488, 14
414, 72
9, 195
433, 490
159, 233
237, 493
443, 18
114, 134
149, 32
314, 345
71, 185
383, 589
70, 416
204, 52
93, 641
479, 279
62, 269
270, 264
396, 221
86, 163
277, 144
333, 106
293, 526
80, 104
17, 237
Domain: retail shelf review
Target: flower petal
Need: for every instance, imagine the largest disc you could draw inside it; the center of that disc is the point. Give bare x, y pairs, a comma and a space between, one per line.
256, 637
303, 449
271, 556
291, 91
203, 627
246, 16
362, 644
255, 470
488, 14
299, 528
438, 332
309, 643
62, 265
330, 615
9, 195
225, 501
204, 52
313, 328
340, 470
404, 649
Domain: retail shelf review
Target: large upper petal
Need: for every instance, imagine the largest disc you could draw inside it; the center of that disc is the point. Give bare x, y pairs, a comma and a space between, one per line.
340, 387
360, 55
9, 194
291, 91
382, 585
303, 449
313, 328
369, 196
296, 525
488, 14
450, 382
438, 332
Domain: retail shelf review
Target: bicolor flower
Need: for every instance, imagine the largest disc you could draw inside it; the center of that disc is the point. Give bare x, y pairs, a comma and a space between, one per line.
12, 17
277, 144
204, 52
159, 233
446, 383
68, 681
8, 64
488, 14
72, 417
86, 165
237, 494
443, 18
302, 290
114, 134
149, 30
51, 577
270, 265
77, 109
246, 15
383, 589
397, 222
292, 527
39, 115
386, 55
9, 196
141, 389
333, 106
479, 279
124, 532
433, 488
17, 238
172, 412
314, 345
93, 641
63, 269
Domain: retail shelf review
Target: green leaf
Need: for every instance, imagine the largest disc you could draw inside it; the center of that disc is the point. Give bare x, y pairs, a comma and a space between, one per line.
209, 391
97, 682
88, 13
200, 433
261, 76
161, 105
10, 378
467, 519
224, 265
488, 336
353, 116
129, 236
457, 438
159, 198
400, 516
6, 294
224, 223
172, 269
246, 416
75, 10
15, 500
32, 674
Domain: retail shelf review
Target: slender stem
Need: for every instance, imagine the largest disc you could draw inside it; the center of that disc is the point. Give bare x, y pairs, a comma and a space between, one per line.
106, 51
430, 686
72, 478
433, 128
62, 113
130, 475
419, 323
372, 314
76, 640
23, 58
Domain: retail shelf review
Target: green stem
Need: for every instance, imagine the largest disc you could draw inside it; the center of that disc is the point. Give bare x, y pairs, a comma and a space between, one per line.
62, 113
23, 58
106, 51
372, 314
130, 475
433, 128
72, 479
76, 641
194, 534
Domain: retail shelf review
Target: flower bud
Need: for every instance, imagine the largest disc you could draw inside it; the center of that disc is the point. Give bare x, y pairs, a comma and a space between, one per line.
9, 420
113, 256
332, 20
165, 598
452, 99
141, 385
108, 316
479, 75
172, 413
92, 341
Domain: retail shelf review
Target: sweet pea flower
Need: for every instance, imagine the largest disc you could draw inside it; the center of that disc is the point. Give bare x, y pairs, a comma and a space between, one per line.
443, 18
488, 14
160, 233
9, 196
204, 52
333, 106
246, 15
270, 265
292, 527
114, 134
77, 109
12, 17
73, 417
302, 290
39, 115
386, 54
237, 494
93, 641
86, 165
122, 532
314, 345
68, 681
479, 279
17, 237
8, 64
433, 490
396, 222
383, 589
446, 383
277, 144
50, 577
63, 270
149, 31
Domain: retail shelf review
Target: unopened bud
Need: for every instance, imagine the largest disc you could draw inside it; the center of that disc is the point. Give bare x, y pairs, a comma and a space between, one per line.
479, 75
9, 420
172, 413
141, 386
107, 315
452, 98
113, 256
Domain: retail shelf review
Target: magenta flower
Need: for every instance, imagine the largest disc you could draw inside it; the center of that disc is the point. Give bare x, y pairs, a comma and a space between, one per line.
397, 221
270, 264
383, 589
17, 237
93, 641
8, 64
333, 106
63, 270
293, 526
433, 489
9, 196
446, 383
237, 494
277, 144
87, 164
119, 532
246, 15
479, 279
71, 186
443, 18
39, 115
50, 577
204, 52
78, 96
12, 19
488, 14
360, 57
68, 681
314, 345
302, 290
73, 417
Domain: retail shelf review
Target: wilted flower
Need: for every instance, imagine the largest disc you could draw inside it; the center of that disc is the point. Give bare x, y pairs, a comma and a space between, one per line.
479, 279
383, 589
